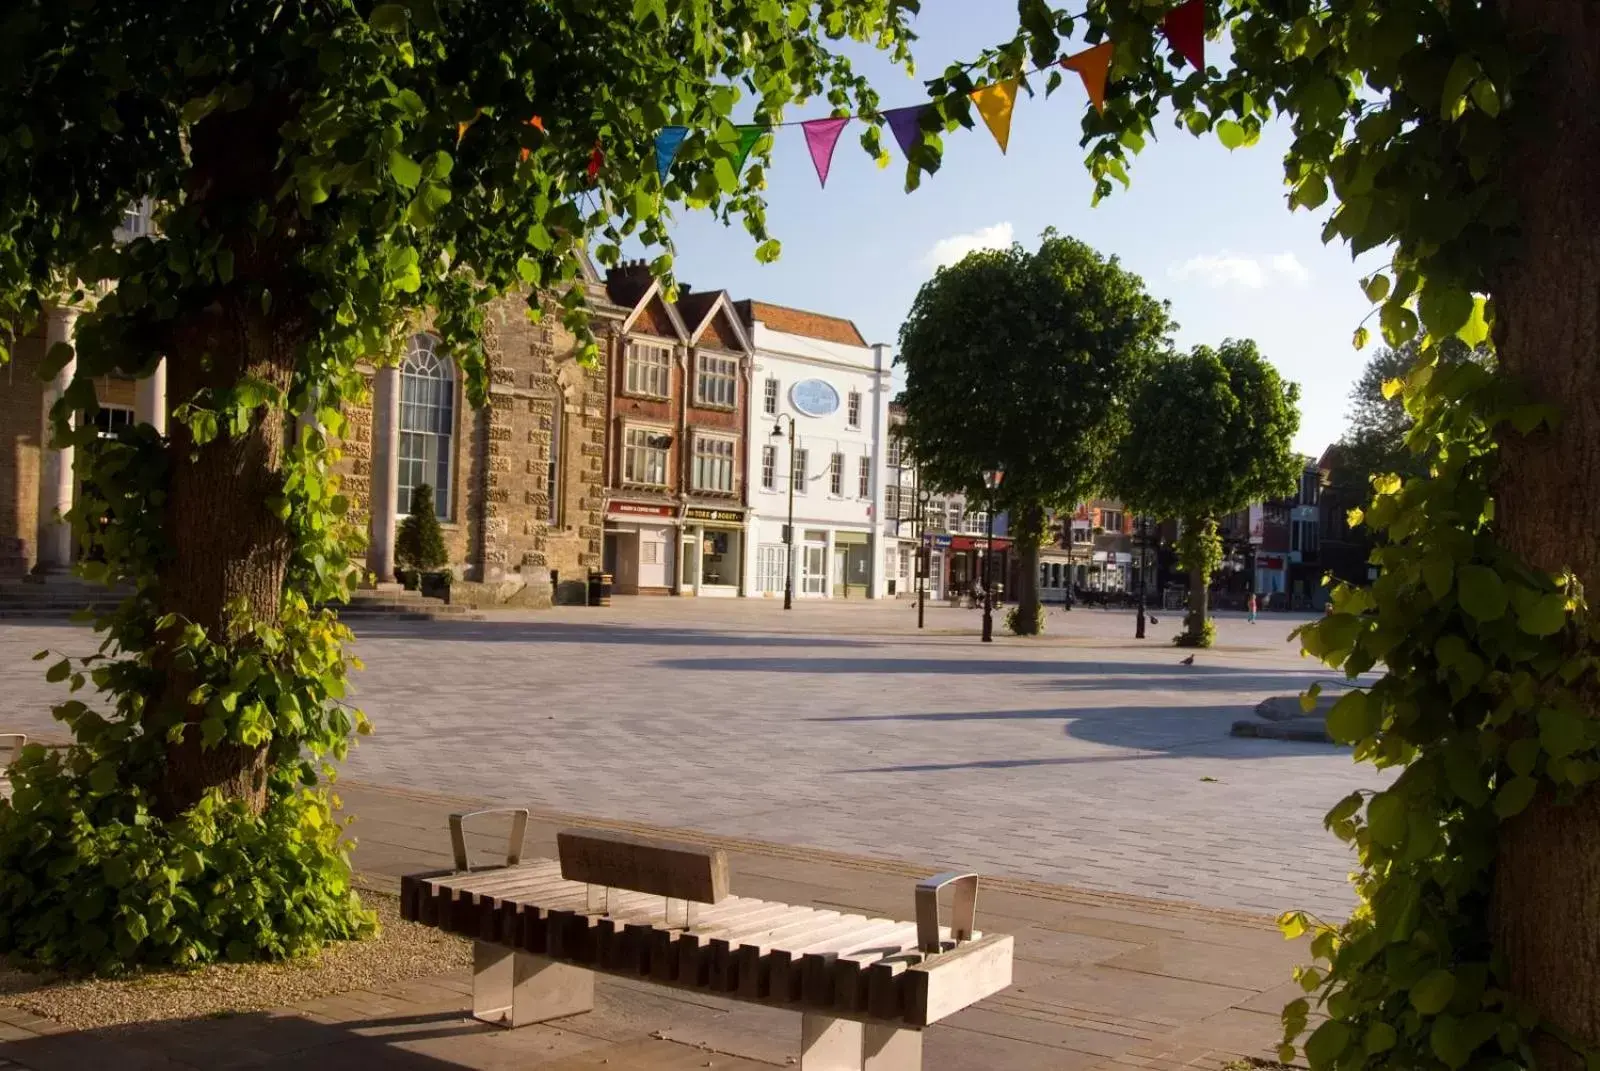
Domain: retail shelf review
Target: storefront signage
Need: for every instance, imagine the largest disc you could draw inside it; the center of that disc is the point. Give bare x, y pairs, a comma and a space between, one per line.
723, 516
640, 509
940, 541
1269, 561
814, 397
978, 543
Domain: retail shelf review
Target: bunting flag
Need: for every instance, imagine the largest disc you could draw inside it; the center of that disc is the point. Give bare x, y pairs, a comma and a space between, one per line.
596, 158
821, 137
748, 136
995, 103
1092, 65
537, 124
667, 144
1185, 27
906, 125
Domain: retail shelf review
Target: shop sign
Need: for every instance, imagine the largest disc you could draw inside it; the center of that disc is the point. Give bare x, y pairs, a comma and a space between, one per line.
978, 543
1269, 561
942, 542
814, 397
640, 509
723, 516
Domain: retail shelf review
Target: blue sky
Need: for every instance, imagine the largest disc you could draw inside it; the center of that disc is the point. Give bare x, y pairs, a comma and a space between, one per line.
1207, 229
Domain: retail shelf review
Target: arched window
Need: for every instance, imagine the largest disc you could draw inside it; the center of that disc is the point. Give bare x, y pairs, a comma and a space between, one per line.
427, 423
553, 464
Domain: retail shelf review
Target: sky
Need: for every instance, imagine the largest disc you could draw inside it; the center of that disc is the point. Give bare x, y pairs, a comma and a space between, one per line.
1208, 229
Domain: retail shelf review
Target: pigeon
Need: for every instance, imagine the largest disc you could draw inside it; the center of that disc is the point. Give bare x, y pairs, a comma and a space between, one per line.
1188, 661
1154, 620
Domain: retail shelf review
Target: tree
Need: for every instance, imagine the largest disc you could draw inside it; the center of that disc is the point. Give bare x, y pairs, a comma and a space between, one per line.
1022, 360
1375, 441
325, 176
1463, 140
1210, 432
419, 544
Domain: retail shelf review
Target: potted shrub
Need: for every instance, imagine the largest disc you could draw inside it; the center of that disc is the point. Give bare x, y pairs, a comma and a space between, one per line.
419, 547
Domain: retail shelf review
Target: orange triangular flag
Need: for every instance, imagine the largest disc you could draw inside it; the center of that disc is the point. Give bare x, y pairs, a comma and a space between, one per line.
1092, 65
537, 124
995, 104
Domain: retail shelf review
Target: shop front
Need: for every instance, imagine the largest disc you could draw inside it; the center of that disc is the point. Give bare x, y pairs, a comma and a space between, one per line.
712, 560
967, 572
852, 564
641, 544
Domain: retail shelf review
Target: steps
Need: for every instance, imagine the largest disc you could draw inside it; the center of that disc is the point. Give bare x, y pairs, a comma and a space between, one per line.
57, 598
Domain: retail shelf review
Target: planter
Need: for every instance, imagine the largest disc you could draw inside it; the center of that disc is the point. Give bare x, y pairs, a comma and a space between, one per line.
436, 585
408, 578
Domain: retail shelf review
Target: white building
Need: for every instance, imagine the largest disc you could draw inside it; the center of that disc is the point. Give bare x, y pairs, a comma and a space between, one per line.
820, 373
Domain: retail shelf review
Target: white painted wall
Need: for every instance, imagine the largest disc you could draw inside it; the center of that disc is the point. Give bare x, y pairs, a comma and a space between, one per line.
792, 359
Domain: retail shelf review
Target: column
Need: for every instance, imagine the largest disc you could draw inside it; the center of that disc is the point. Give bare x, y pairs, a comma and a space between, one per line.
150, 398
827, 567
385, 479
55, 463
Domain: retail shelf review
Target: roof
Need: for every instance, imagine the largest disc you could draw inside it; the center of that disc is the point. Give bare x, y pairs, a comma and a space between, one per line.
800, 322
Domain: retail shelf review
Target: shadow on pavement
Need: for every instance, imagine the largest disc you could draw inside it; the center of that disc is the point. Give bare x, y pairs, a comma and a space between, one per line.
558, 632
1116, 674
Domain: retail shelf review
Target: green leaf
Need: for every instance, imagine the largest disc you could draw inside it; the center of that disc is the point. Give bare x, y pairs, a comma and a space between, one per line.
1349, 719
1514, 796
1452, 99
406, 171
1437, 574
59, 672
1386, 819
1376, 288
1360, 339
1445, 309
389, 18
1432, 992
1561, 731
1230, 133
1326, 1043
55, 359
1380, 1038
1486, 97
1482, 592
1545, 616
1476, 330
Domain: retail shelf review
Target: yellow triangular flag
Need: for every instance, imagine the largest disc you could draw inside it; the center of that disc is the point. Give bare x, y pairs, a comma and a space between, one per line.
994, 104
1092, 65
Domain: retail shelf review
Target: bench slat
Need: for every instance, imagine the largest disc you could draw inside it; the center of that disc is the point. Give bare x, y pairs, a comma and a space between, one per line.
679, 871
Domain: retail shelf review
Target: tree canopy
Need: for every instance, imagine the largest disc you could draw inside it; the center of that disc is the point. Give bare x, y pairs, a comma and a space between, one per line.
1025, 361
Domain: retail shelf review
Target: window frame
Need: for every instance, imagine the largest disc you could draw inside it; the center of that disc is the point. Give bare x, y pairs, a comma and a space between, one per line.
769, 467
1107, 515
443, 491
770, 392
852, 410
701, 438
630, 361
864, 476
836, 475
797, 473
628, 430
704, 374
553, 482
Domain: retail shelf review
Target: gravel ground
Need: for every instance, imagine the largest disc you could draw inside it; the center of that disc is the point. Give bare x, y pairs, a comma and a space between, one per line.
401, 951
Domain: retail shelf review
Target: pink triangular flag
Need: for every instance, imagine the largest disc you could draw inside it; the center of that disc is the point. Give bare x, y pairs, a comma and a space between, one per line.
821, 136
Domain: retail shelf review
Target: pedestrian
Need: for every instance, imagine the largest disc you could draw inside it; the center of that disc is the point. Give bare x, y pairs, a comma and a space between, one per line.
1252, 604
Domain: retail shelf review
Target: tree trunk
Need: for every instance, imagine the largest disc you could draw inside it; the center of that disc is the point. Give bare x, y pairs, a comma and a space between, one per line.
1197, 557
228, 547
1546, 909
1026, 535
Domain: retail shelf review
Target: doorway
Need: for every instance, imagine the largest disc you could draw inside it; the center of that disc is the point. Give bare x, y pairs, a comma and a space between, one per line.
814, 569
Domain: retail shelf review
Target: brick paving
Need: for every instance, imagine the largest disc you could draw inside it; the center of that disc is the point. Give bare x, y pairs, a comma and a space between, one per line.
1083, 758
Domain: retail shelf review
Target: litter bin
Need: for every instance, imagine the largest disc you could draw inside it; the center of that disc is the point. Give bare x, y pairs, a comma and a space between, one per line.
599, 589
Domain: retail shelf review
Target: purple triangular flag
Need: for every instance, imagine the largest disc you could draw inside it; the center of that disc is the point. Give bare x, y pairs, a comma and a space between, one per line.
821, 136
905, 124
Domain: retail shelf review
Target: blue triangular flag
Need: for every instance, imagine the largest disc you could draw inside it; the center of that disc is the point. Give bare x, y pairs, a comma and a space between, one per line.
667, 143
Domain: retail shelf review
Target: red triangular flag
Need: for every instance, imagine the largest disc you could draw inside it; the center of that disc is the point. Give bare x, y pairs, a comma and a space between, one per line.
1185, 27
596, 158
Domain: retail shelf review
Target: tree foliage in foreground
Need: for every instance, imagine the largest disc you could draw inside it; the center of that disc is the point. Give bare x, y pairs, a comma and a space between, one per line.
326, 175
1210, 432
1462, 138
1023, 361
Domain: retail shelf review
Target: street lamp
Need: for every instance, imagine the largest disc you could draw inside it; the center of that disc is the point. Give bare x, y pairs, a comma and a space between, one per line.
924, 549
788, 530
1142, 527
992, 478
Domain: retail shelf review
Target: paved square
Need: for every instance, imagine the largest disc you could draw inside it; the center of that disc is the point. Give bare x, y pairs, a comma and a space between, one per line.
1083, 757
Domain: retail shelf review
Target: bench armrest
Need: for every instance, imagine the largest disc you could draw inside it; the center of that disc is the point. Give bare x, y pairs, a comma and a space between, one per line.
963, 909
519, 832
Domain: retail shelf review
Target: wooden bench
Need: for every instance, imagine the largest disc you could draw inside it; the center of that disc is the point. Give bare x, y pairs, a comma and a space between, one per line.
661, 912
11, 745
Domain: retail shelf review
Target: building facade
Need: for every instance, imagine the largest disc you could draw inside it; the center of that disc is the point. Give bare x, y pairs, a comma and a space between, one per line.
676, 519
816, 375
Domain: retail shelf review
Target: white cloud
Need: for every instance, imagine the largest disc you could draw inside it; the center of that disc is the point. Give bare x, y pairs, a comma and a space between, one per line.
947, 251
1219, 270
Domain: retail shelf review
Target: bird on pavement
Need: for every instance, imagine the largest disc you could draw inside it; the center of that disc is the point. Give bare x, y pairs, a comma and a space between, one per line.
1154, 620
1188, 661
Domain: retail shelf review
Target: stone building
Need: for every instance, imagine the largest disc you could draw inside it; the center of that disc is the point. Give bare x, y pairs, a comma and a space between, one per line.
519, 485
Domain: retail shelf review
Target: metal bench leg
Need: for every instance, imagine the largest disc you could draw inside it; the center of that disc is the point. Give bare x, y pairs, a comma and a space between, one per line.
514, 989
828, 1044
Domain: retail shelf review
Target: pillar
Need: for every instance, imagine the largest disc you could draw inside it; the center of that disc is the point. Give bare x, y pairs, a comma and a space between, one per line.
150, 398
56, 463
827, 568
385, 487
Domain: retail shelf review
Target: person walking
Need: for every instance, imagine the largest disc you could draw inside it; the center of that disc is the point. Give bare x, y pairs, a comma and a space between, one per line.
1251, 617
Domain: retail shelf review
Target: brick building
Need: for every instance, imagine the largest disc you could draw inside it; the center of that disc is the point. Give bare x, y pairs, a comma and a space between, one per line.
677, 398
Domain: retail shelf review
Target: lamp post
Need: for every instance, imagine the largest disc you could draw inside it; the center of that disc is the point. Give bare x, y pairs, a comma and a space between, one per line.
1141, 526
788, 530
992, 478
924, 550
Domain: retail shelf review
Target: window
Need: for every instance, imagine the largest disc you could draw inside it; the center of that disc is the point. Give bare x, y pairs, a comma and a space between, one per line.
894, 452
1310, 487
427, 424
836, 475
109, 418
864, 477
772, 567
799, 473
650, 552
933, 515
769, 467
1304, 536
135, 221
957, 509
1111, 520
892, 505
644, 457
1081, 535
718, 381
769, 398
978, 523
552, 479
649, 369
852, 409
713, 464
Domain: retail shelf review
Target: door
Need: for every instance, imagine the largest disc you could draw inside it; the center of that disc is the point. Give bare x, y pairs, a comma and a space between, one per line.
814, 571
841, 570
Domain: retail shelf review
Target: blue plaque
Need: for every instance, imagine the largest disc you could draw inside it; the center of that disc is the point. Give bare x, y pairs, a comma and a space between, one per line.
814, 397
